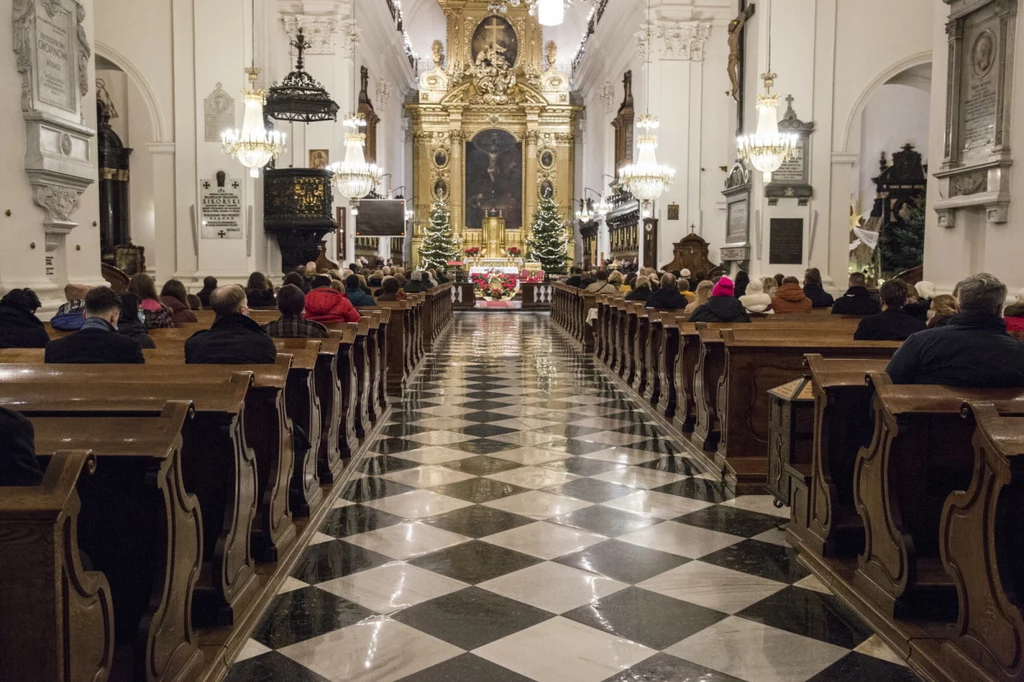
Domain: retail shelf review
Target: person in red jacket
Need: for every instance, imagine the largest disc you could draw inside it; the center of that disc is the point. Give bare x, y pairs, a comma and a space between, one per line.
326, 306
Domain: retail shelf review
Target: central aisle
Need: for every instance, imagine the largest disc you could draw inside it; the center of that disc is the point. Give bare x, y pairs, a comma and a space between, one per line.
522, 520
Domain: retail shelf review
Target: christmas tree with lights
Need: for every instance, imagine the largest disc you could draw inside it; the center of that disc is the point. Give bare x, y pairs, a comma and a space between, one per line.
548, 243
439, 246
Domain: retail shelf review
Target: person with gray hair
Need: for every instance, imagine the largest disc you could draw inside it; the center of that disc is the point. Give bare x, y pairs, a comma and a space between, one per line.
414, 284
972, 351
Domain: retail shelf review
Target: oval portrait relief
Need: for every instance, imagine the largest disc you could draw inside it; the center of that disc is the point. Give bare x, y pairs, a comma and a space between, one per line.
440, 158
983, 53
547, 189
496, 31
547, 158
440, 189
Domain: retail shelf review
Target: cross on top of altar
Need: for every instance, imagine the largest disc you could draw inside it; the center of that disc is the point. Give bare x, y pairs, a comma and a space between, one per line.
496, 29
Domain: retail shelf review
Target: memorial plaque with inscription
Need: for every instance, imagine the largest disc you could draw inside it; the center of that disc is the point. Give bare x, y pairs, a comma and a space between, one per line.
792, 179
981, 92
738, 222
793, 169
55, 56
222, 208
786, 241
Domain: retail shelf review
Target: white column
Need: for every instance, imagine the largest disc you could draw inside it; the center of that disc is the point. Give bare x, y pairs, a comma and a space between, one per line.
164, 209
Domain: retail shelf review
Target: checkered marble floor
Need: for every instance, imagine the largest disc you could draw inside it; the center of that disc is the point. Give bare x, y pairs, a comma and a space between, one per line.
520, 519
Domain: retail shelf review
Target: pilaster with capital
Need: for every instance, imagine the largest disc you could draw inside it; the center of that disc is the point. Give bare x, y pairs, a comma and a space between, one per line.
531, 195
457, 140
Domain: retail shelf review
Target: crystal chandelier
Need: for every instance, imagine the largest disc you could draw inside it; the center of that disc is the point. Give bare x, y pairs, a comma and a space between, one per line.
647, 179
354, 177
254, 146
548, 12
767, 149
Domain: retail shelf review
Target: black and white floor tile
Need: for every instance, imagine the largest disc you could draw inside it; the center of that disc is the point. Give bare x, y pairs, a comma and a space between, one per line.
520, 519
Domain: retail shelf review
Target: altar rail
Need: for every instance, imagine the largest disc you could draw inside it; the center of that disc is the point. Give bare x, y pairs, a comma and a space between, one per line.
536, 295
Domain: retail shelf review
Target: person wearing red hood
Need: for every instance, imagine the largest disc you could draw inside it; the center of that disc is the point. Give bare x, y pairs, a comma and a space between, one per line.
790, 298
327, 306
723, 306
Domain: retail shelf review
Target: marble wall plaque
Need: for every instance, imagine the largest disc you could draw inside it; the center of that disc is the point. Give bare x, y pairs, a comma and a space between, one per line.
222, 207
55, 56
738, 222
786, 241
980, 91
219, 109
793, 169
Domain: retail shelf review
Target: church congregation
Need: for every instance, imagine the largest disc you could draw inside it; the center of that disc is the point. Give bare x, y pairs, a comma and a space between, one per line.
511, 341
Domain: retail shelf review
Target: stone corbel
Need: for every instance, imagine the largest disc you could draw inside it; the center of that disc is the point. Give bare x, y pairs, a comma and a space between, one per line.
984, 186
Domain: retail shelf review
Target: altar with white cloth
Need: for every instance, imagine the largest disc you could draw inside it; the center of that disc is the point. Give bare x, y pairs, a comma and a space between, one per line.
484, 269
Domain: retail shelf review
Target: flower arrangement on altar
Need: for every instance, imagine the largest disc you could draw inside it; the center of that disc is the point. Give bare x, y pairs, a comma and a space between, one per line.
473, 252
495, 285
514, 252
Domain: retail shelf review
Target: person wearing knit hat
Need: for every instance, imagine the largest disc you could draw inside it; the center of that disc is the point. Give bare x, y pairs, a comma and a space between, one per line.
755, 300
723, 306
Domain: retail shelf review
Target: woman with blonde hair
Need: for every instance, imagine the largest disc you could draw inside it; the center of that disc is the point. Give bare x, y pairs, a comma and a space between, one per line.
943, 308
703, 295
769, 285
616, 279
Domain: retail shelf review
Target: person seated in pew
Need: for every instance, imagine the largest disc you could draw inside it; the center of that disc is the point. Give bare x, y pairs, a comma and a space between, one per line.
741, 283
234, 338
363, 287
943, 308
972, 351
601, 285
413, 284
209, 284
259, 292
327, 306
175, 297
641, 289
723, 306
19, 326
919, 302
790, 298
769, 286
376, 279
814, 290
586, 278
667, 296
19, 465
292, 325
756, 301
702, 296
355, 293
392, 290
1014, 315
893, 323
684, 289
131, 324
857, 299
158, 316
71, 315
97, 342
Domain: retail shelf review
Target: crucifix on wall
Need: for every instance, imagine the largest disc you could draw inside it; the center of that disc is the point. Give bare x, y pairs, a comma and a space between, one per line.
496, 30
736, 63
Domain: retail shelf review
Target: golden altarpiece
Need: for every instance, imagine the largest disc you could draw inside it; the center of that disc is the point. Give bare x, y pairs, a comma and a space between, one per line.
493, 126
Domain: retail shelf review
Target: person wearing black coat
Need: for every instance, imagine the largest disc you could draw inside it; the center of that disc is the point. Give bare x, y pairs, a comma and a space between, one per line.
18, 463
972, 351
129, 323
575, 277
857, 299
97, 342
893, 323
667, 297
815, 291
234, 338
641, 293
209, 284
19, 326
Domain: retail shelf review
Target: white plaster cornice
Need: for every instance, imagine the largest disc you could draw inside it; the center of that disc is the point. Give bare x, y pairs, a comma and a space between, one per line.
320, 30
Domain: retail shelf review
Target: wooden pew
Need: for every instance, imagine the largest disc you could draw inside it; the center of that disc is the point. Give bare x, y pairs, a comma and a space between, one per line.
755, 362
217, 464
56, 618
979, 540
921, 452
842, 403
142, 530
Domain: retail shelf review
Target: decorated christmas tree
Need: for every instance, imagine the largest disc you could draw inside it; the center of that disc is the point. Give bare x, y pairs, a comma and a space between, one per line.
548, 243
901, 243
439, 246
